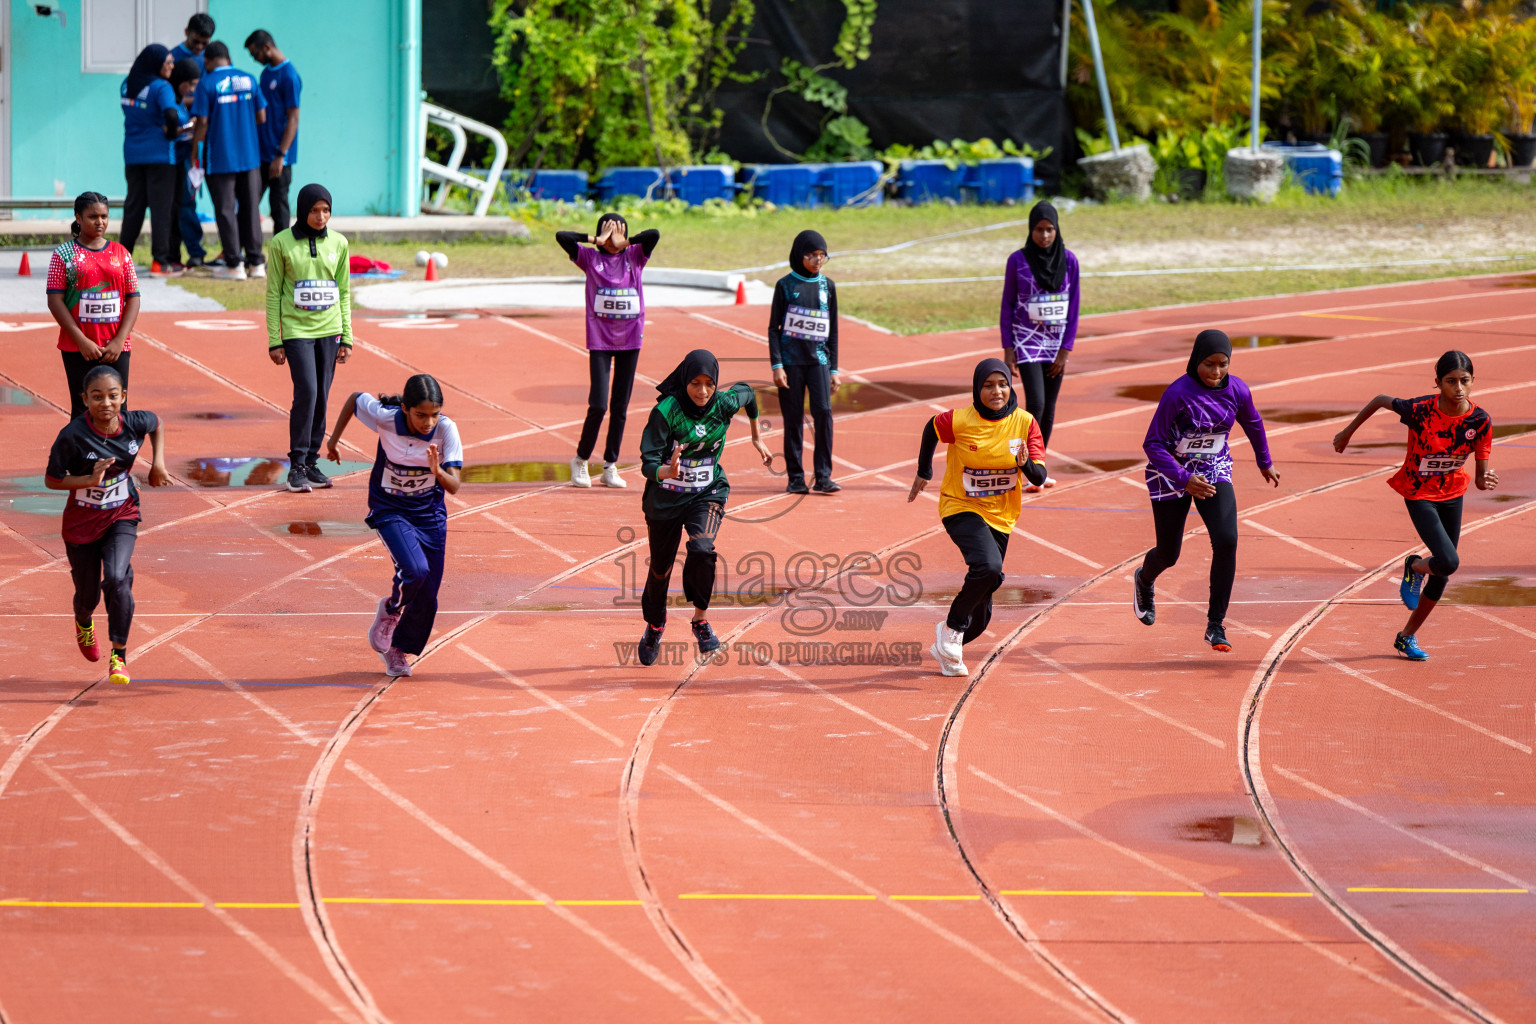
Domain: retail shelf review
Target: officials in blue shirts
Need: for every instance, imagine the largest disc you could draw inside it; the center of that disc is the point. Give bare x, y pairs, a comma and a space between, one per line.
226, 109
199, 31
186, 229
280, 86
150, 124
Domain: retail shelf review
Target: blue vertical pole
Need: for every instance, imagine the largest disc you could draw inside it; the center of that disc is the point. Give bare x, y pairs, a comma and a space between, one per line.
1098, 68
1258, 33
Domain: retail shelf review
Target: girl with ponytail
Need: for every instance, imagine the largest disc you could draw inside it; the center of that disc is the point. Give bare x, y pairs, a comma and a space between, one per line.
93, 294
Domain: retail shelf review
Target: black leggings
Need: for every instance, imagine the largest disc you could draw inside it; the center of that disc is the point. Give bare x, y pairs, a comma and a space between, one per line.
815, 381
152, 187
101, 569
76, 366
311, 364
600, 401
702, 520
1439, 526
983, 549
1040, 391
1219, 513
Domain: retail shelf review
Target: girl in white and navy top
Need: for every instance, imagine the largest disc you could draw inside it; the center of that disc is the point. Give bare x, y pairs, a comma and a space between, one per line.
419, 457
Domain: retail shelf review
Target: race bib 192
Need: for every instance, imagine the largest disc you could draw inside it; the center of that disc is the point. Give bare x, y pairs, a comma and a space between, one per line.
1048, 309
809, 324
988, 483
102, 307
1202, 444
1438, 464
692, 475
616, 303
316, 295
407, 481
110, 494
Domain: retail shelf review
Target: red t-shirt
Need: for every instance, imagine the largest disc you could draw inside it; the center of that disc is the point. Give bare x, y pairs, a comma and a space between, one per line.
96, 284
1438, 447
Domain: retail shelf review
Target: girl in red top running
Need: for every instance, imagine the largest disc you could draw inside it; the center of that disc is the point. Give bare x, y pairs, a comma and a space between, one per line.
93, 292
1444, 430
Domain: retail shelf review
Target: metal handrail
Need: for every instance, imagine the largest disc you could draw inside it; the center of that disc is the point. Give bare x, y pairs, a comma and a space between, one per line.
449, 174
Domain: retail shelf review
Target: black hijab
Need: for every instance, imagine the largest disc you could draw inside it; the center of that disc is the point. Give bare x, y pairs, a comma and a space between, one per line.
146, 68
699, 361
805, 242
1048, 265
1207, 344
985, 369
186, 70
309, 195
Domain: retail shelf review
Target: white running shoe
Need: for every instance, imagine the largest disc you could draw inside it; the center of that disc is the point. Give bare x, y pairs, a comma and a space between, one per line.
383, 629
229, 273
948, 649
259, 272
1050, 481
1032, 488
611, 476
579, 475
948, 667
394, 663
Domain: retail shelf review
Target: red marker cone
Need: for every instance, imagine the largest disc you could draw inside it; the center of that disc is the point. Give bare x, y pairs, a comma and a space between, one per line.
741, 293
431, 270
25, 270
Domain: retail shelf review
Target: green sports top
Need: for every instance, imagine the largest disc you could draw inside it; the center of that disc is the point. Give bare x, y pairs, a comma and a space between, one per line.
309, 292
701, 433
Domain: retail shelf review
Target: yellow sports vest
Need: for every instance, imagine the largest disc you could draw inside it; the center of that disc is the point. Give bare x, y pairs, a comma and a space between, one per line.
981, 472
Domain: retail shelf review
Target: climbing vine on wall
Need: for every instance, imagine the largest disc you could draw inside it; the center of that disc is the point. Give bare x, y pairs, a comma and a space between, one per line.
843, 137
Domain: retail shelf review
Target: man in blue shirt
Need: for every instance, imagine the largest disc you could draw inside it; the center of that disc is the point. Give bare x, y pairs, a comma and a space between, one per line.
280, 86
199, 31
226, 109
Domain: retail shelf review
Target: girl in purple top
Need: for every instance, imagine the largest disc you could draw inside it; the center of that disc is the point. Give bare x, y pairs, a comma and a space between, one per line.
615, 306
1188, 458
1039, 316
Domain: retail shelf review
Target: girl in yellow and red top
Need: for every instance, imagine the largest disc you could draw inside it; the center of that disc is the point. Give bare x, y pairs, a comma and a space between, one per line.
93, 293
993, 447
1444, 430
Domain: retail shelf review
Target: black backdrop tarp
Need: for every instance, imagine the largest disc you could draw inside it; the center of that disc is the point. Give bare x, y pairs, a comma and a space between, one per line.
938, 69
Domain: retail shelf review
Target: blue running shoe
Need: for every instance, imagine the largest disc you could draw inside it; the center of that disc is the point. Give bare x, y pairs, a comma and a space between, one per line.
1408, 647
708, 642
650, 645
1412, 583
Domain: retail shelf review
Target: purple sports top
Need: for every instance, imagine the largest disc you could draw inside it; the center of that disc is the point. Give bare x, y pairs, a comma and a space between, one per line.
615, 297
1188, 435
1038, 340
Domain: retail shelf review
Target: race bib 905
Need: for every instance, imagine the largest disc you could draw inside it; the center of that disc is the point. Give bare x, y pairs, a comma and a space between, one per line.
316, 295
101, 307
1048, 309
1202, 444
692, 475
407, 481
110, 494
616, 303
1439, 464
988, 483
809, 324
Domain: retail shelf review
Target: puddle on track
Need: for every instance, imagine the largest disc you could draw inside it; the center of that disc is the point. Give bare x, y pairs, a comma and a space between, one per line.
1142, 392
1237, 830
1270, 340
211, 415
1510, 429
322, 528
252, 472
1304, 415
1491, 592
856, 396
15, 396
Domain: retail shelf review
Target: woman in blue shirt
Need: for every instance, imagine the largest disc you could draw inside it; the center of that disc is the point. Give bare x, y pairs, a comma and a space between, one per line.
151, 122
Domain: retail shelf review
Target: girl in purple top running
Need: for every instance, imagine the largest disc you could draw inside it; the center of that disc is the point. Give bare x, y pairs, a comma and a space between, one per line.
1039, 317
1188, 458
615, 306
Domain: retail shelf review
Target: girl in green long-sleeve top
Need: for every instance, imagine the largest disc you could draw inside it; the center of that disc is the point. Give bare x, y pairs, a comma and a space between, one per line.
309, 324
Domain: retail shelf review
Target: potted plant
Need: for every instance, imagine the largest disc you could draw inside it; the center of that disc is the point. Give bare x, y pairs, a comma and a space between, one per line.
1514, 47
1429, 102
1476, 81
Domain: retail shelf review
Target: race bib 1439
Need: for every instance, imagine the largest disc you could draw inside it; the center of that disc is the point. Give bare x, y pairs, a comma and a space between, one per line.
810, 324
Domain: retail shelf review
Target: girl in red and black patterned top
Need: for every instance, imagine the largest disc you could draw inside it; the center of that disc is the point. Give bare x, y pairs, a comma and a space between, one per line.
1444, 430
93, 292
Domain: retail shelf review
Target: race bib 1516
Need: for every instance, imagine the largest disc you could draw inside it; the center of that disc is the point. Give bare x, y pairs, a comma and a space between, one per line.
316, 295
988, 483
616, 303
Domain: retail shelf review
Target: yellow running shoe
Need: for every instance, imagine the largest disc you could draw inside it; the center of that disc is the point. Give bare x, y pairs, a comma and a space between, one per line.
117, 670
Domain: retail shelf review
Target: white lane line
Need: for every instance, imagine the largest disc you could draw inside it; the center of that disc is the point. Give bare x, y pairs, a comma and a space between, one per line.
563, 343
1347, 962
846, 705
272, 956
268, 709
1140, 485
1303, 545
1090, 563
1130, 701
1416, 702
1379, 819
542, 697
530, 538
1528, 634
516, 881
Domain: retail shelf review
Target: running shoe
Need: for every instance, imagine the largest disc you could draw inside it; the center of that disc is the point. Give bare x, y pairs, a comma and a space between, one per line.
258, 272
950, 641
298, 482
117, 670
611, 476
382, 632
827, 487
1143, 600
228, 273
1050, 481
950, 664
579, 475
796, 487
193, 262
317, 479
1408, 647
708, 642
650, 644
1412, 583
85, 636
395, 664
1216, 636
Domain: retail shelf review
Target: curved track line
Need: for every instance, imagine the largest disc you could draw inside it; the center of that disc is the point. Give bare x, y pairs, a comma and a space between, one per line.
1269, 811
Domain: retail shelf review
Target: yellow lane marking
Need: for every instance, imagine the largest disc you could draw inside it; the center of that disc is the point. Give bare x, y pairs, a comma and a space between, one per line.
772, 896
1382, 889
434, 902
96, 903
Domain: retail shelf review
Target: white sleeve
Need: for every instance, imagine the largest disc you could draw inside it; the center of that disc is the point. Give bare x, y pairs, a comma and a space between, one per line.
453, 448
370, 413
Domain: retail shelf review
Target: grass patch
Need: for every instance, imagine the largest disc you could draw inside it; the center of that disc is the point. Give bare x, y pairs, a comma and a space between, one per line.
1386, 217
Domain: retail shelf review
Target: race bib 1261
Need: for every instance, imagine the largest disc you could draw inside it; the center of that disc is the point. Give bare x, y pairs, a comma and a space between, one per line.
692, 475
988, 483
1202, 444
810, 324
316, 295
1048, 309
616, 303
103, 307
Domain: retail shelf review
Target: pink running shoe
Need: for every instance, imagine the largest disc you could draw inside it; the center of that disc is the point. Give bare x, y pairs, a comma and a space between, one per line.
395, 664
383, 629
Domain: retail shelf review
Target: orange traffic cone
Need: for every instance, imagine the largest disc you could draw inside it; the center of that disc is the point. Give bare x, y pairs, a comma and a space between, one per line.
431, 270
25, 270
741, 293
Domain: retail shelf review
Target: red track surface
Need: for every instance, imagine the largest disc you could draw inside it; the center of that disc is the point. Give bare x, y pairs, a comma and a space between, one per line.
263, 828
